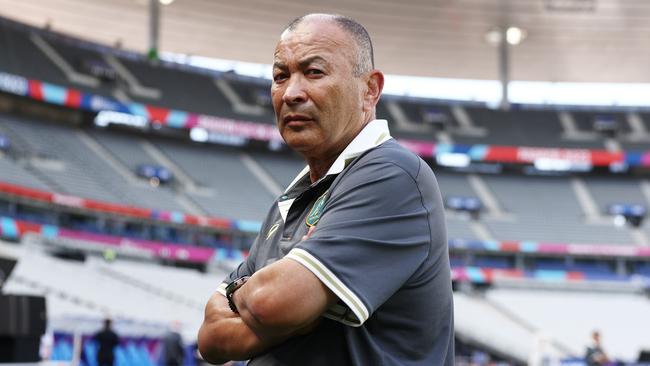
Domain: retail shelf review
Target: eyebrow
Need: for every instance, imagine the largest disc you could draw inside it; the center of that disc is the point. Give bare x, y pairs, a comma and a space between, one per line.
302, 63
310, 60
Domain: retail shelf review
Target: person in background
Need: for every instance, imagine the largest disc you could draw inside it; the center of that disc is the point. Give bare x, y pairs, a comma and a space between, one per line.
173, 352
46, 346
595, 355
106, 340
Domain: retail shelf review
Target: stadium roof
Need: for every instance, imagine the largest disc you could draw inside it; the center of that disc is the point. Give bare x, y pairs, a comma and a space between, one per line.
567, 40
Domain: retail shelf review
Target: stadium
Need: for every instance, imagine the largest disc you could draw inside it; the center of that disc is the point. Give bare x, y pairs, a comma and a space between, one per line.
139, 154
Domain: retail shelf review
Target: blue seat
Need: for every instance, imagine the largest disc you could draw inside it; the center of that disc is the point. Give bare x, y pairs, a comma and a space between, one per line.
62, 351
121, 358
90, 350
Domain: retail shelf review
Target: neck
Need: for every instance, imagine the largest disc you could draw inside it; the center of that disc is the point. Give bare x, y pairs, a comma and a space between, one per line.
319, 165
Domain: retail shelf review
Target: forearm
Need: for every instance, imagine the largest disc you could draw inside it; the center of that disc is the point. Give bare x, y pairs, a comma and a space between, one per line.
275, 302
224, 336
279, 301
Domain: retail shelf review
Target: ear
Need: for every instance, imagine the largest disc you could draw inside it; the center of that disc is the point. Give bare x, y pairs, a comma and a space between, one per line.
374, 86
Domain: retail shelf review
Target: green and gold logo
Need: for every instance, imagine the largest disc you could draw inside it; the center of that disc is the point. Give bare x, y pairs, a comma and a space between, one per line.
316, 210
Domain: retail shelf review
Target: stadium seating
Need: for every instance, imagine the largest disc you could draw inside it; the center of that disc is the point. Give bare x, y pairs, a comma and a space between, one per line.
220, 94
175, 86
76, 57
608, 190
475, 318
100, 164
619, 317
122, 290
283, 168
140, 292
12, 172
21, 56
547, 208
81, 170
527, 128
228, 179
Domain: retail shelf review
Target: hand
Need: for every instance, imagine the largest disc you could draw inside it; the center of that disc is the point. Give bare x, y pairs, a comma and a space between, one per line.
309, 233
224, 336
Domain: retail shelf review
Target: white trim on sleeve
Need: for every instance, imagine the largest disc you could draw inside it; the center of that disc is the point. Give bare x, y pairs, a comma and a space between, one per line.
333, 283
222, 288
341, 314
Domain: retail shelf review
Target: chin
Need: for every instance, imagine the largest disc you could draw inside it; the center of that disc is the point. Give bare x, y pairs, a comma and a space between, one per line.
301, 144
298, 140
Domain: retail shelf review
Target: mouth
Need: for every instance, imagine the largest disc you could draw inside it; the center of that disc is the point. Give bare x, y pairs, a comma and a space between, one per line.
296, 120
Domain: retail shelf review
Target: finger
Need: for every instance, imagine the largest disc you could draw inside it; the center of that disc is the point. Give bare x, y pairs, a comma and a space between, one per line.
309, 233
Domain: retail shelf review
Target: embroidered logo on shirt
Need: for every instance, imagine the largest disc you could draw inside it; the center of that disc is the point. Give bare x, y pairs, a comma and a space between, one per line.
316, 210
272, 230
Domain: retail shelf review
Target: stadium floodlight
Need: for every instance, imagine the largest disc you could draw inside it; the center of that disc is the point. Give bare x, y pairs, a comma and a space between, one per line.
515, 35
493, 36
502, 38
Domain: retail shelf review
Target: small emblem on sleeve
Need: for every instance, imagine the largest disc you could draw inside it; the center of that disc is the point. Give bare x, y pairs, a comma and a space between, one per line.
316, 210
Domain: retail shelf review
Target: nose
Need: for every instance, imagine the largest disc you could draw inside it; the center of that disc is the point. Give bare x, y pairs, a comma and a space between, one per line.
295, 92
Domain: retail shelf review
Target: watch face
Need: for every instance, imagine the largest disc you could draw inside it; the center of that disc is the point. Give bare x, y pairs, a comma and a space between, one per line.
230, 286
234, 285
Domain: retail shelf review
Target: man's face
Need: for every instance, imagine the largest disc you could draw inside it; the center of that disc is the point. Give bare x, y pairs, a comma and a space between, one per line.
596, 337
318, 101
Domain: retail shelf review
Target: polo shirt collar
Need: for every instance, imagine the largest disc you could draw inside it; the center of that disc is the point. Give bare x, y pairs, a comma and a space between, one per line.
372, 135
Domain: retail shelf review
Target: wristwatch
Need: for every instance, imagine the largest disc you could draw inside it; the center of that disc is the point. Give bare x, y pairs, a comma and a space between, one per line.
230, 290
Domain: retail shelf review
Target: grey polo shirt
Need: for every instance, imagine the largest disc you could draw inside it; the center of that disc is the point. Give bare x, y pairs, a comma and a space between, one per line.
380, 245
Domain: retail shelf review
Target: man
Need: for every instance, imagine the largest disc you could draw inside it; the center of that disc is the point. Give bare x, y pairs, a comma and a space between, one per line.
173, 351
595, 355
351, 264
106, 340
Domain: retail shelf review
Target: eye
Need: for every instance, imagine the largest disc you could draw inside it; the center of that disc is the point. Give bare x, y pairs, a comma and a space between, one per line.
279, 77
315, 72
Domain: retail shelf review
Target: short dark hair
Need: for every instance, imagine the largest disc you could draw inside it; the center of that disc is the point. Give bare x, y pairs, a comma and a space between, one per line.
365, 55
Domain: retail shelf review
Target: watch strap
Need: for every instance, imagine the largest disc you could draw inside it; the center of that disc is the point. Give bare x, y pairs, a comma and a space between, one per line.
230, 291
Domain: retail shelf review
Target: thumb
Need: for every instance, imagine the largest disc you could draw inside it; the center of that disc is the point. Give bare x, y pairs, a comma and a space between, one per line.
309, 233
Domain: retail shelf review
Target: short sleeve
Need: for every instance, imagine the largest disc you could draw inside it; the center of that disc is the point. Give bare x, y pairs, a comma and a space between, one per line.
245, 268
373, 235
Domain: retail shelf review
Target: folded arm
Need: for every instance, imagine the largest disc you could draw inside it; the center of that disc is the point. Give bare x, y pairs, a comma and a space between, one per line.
279, 301
224, 336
